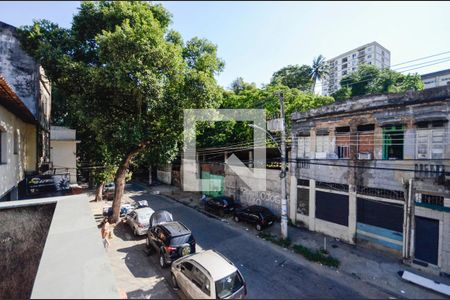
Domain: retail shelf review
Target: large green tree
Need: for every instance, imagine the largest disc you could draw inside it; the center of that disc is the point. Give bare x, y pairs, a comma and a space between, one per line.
129, 75
294, 76
369, 79
226, 133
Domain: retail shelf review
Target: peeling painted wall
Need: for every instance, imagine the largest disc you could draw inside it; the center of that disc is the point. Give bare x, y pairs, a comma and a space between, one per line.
19, 69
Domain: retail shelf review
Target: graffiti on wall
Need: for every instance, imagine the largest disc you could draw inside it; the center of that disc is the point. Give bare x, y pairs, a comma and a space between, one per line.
268, 199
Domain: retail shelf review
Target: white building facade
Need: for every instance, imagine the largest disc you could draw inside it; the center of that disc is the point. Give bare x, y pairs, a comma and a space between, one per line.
348, 62
17, 142
436, 79
63, 151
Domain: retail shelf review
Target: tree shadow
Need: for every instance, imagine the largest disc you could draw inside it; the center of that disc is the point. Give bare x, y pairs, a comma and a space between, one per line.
137, 261
124, 232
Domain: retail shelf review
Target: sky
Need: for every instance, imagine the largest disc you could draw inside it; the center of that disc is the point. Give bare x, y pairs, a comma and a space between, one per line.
255, 39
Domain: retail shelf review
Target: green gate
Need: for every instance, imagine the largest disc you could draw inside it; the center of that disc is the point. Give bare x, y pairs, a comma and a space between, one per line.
213, 187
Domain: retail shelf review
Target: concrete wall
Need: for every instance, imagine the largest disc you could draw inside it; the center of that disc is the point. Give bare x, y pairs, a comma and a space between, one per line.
14, 166
63, 155
270, 198
63, 150
18, 68
164, 176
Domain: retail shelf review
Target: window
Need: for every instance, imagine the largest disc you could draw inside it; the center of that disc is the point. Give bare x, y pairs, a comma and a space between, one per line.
304, 143
16, 142
322, 143
343, 142
393, 136
303, 201
201, 281
354, 55
366, 140
344, 66
430, 199
430, 140
369, 56
344, 73
3, 143
344, 60
370, 62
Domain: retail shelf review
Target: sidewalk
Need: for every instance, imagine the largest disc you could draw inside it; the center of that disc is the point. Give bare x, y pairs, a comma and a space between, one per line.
372, 266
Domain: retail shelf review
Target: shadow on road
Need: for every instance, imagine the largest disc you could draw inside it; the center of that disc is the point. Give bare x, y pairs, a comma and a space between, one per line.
134, 258
123, 232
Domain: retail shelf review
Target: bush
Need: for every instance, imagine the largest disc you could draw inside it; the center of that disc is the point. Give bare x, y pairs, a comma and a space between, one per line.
316, 256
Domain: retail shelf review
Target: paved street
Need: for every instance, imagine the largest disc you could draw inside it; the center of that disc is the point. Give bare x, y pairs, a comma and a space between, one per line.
270, 272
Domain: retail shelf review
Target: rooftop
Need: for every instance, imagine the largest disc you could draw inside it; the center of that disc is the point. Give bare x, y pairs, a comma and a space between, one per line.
217, 266
434, 74
12, 102
74, 263
176, 228
373, 102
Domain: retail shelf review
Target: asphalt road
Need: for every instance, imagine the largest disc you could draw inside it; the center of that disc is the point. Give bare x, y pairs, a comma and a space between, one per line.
270, 271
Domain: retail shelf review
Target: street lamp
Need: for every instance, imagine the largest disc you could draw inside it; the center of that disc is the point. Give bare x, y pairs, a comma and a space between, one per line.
284, 227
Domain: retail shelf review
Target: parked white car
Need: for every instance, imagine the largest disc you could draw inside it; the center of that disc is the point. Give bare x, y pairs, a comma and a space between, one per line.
208, 275
139, 220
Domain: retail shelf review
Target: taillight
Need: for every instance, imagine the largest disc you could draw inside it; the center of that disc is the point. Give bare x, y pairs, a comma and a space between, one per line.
170, 248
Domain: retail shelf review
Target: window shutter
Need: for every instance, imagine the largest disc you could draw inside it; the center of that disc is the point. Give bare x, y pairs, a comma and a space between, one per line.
422, 142
437, 143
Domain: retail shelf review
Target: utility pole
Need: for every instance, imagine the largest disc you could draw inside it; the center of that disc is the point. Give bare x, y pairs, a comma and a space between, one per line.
284, 227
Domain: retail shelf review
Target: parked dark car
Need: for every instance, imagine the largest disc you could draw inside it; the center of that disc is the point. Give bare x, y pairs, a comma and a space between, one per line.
171, 240
260, 216
220, 205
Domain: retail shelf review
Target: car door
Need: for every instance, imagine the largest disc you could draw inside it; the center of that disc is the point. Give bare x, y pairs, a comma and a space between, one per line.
200, 284
244, 215
253, 216
154, 233
184, 278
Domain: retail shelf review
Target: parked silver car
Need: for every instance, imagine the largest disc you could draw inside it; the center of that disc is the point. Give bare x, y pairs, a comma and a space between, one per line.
139, 220
208, 275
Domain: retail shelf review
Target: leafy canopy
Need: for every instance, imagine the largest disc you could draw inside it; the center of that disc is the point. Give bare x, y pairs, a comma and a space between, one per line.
127, 75
369, 79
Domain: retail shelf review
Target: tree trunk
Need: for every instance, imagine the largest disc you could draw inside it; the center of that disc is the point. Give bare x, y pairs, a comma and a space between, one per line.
99, 192
119, 180
313, 87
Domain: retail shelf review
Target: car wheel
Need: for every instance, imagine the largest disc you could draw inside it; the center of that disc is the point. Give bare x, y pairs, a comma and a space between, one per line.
258, 227
162, 261
174, 282
236, 218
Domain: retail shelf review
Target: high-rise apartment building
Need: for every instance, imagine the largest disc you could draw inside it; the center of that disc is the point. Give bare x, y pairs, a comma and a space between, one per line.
348, 62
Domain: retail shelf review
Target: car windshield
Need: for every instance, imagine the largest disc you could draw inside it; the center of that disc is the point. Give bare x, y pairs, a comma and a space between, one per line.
229, 285
160, 217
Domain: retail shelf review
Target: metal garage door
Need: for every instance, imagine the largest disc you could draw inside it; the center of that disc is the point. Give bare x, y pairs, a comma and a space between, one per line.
332, 207
427, 240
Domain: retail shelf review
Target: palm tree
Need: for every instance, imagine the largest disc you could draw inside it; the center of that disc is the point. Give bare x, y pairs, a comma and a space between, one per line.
319, 70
